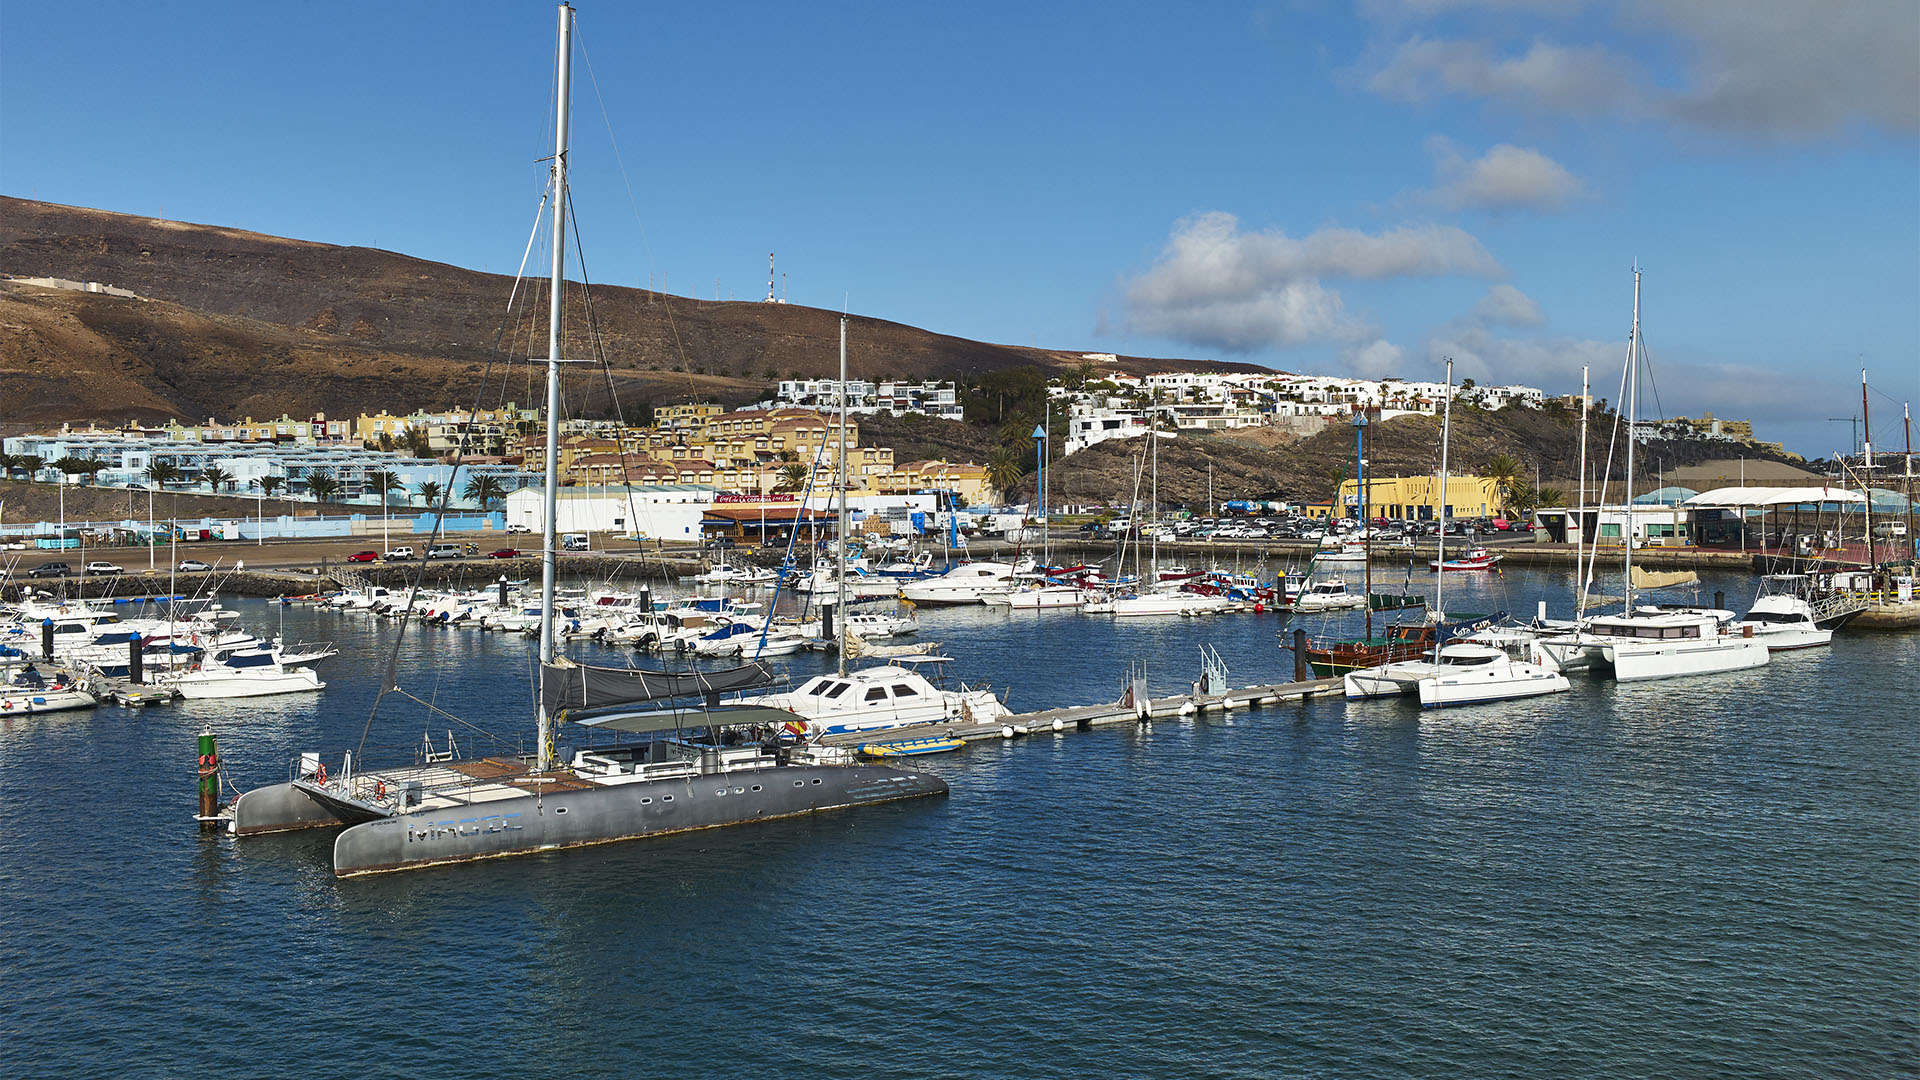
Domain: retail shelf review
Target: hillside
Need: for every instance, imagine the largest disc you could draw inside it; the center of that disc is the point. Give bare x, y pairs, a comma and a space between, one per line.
234, 323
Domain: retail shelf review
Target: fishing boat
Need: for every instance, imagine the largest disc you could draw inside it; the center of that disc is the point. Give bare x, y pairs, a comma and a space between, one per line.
1477, 558
26, 691
442, 810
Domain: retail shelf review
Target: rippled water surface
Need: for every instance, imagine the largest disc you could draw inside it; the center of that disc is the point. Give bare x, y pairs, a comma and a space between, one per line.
1695, 878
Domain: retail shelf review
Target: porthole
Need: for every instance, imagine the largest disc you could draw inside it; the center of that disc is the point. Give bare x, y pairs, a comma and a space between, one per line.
666, 798
719, 791
646, 799
559, 809
756, 787
742, 791
816, 779
798, 783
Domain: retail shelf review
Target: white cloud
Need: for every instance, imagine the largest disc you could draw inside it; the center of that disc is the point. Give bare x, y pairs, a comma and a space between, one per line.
1552, 364
1772, 70
1795, 69
1506, 305
1217, 286
1377, 359
1581, 81
1505, 176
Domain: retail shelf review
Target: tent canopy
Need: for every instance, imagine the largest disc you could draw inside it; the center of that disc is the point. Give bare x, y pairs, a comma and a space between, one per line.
1762, 497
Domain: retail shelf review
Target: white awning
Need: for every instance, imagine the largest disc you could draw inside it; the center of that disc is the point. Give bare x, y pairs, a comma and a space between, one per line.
1775, 496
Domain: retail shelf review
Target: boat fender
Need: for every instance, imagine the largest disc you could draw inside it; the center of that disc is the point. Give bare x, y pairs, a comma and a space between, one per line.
1189, 709
1006, 732
1059, 725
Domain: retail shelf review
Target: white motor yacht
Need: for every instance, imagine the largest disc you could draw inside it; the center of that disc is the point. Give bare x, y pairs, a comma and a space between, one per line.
244, 672
1783, 617
878, 698
967, 583
1328, 595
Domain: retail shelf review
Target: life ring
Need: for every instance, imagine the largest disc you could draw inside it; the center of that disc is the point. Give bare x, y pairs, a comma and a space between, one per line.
379, 789
320, 775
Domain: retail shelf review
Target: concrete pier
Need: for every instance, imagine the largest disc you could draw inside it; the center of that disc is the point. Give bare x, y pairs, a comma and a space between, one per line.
1086, 717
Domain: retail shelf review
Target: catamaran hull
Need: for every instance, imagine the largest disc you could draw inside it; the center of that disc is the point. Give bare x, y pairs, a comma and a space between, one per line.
1638, 661
1500, 683
607, 812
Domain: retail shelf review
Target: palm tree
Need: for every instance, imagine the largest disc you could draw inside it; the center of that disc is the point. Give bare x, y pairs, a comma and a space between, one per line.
160, 473
75, 466
1004, 471
1550, 496
382, 481
323, 487
484, 490
214, 477
1507, 473
792, 477
428, 491
270, 484
26, 463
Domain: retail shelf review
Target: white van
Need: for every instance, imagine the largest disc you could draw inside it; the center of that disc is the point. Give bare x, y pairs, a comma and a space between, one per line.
573, 542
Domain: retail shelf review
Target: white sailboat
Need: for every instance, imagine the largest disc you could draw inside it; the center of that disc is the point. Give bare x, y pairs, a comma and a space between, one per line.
446, 811
1650, 643
1463, 672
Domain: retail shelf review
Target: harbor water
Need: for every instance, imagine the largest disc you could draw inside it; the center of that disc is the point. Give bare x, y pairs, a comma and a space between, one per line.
1714, 877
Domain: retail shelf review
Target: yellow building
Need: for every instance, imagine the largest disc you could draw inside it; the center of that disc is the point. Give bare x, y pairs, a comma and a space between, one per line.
685, 416
965, 478
1415, 498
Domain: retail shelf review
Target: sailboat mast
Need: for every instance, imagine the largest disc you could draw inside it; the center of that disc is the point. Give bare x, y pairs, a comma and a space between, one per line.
1580, 511
840, 527
1633, 415
1440, 550
543, 759
1366, 517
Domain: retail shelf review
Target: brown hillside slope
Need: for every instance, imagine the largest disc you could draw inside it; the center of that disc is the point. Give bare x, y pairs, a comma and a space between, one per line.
425, 321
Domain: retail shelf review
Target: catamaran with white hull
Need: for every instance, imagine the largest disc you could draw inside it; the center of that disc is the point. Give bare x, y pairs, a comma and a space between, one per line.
443, 811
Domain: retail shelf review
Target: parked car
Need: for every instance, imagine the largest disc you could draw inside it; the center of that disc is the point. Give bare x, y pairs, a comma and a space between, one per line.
191, 565
518, 529
103, 568
52, 569
398, 554
364, 556
444, 551
504, 553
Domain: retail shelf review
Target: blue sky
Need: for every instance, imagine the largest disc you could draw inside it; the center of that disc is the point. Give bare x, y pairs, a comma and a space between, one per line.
1345, 188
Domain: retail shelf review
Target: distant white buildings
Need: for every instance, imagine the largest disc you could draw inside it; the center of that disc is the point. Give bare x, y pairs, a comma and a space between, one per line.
930, 398
1116, 406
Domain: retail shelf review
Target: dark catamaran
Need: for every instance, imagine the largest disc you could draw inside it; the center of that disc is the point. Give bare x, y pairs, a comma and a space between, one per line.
739, 769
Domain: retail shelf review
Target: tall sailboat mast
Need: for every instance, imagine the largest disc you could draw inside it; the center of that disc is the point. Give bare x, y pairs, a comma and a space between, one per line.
840, 529
544, 753
1440, 548
1580, 507
1633, 414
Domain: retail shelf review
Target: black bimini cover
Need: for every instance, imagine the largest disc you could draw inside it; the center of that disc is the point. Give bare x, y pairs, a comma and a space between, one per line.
578, 688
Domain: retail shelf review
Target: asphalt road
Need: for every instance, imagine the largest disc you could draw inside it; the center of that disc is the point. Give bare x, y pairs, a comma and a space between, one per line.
226, 555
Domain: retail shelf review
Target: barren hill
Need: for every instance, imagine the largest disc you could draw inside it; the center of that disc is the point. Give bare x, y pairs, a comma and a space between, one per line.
238, 323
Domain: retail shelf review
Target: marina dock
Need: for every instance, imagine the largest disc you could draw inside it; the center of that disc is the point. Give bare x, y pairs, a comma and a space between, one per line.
1086, 717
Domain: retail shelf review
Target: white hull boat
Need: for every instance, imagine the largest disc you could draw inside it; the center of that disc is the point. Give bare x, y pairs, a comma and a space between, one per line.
879, 698
968, 583
1464, 673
